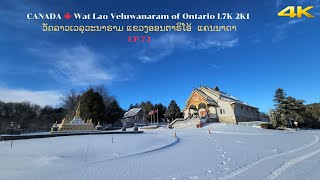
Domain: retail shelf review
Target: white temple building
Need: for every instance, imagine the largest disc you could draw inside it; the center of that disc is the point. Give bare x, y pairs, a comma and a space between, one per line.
207, 104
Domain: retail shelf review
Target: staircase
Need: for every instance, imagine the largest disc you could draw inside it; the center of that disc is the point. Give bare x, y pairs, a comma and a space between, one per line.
185, 123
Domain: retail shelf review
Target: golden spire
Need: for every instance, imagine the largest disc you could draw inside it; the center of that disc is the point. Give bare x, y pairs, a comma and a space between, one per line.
78, 112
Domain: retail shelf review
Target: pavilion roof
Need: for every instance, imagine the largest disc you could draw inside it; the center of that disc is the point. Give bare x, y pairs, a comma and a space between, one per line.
132, 112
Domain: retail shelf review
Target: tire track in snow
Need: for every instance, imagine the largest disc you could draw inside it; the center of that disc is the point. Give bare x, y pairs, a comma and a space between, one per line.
241, 133
176, 141
290, 163
248, 166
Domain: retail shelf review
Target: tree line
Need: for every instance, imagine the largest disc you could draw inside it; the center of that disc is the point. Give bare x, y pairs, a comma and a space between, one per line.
165, 114
96, 103
29, 116
289, 110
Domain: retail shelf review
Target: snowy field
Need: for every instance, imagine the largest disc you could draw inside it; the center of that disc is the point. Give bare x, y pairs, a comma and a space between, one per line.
229, 152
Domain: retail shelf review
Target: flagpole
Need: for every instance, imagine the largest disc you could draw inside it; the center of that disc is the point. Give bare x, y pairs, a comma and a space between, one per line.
154, 118
157, 117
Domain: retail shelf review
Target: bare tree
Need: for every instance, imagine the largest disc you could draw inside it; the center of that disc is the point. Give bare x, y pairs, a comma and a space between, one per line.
107, 98
70, 100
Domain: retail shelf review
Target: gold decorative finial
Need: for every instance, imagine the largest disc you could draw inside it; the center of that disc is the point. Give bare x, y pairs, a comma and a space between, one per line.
78, 112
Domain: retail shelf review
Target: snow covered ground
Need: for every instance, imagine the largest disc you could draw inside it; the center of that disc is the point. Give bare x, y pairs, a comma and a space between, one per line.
229, 152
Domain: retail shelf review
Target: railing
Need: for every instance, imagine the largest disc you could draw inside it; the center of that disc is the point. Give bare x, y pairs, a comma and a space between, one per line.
183, 123
250, 123
178, 119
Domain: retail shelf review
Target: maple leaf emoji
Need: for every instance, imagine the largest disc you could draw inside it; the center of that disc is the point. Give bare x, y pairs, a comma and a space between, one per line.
67, 15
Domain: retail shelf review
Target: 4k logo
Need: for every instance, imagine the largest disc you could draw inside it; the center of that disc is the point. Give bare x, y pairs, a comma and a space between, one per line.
292, 13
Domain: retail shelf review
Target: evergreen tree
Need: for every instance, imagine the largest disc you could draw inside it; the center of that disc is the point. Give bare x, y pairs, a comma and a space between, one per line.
131, 106
314, 110
313, 115
281, 107
279, 96
273, 118
92, 106
113, 112
173, 111
161, 110
288, 109
146, 108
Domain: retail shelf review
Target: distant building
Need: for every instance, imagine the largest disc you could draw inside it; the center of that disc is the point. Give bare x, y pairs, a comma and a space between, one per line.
214, 105
134, 115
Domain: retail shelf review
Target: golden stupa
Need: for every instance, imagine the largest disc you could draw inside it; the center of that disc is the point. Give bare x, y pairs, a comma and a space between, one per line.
76, 124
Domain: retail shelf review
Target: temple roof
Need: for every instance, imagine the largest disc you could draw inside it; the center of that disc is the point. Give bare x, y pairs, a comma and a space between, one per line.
206, 97
206, 92
227, 97
132, 112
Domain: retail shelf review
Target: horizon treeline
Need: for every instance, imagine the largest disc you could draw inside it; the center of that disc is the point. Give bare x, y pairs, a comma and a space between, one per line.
96, 103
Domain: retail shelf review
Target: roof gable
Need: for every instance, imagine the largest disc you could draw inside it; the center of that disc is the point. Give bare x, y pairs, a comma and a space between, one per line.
204, 97
132, 112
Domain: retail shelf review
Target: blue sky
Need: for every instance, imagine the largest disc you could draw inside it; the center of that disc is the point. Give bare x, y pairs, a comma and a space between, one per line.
265, 53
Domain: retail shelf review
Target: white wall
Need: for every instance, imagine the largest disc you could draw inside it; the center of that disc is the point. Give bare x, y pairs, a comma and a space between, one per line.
246, 113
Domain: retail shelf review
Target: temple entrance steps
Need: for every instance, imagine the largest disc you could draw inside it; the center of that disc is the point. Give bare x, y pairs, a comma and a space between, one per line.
185, 123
